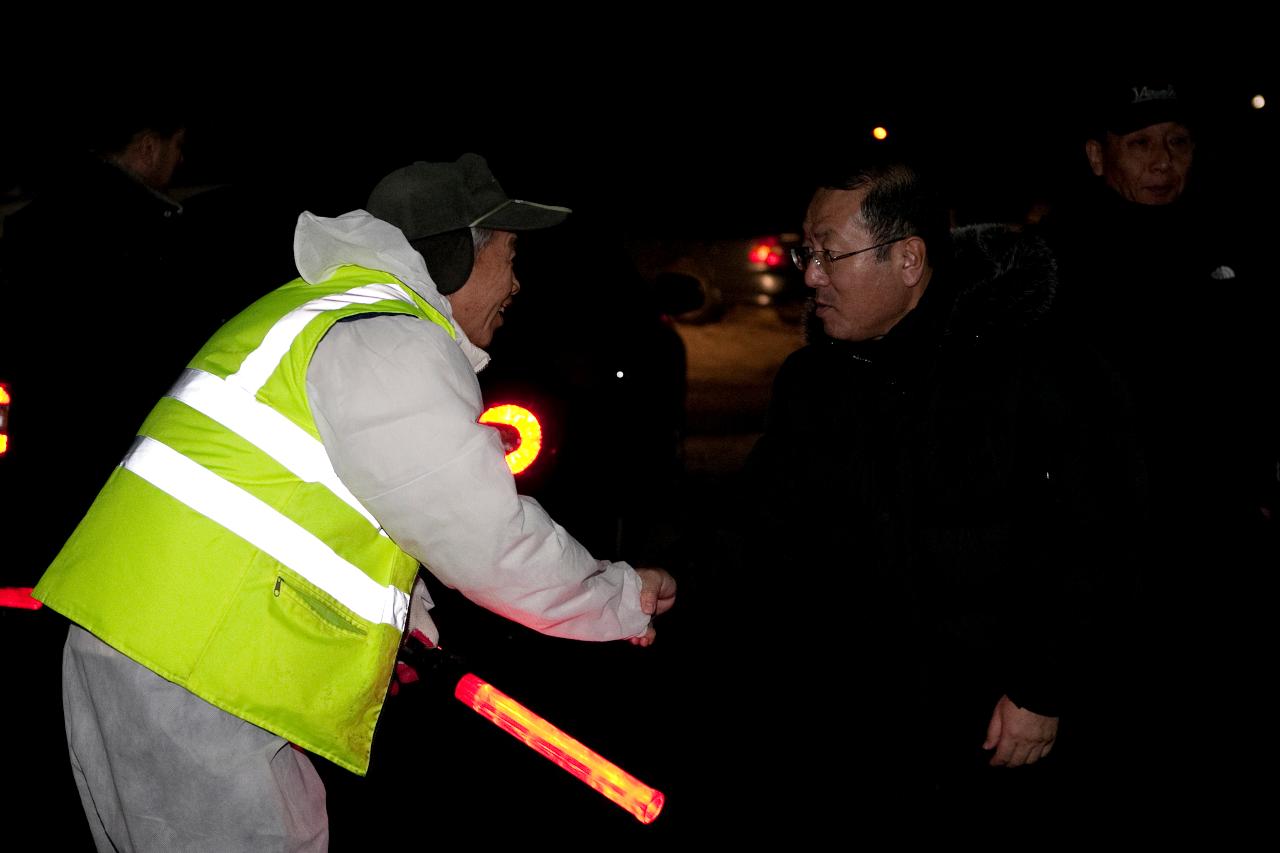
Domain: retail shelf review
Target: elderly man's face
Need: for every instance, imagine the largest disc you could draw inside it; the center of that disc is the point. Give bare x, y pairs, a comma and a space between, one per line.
479, 305
1148, 166
859, 297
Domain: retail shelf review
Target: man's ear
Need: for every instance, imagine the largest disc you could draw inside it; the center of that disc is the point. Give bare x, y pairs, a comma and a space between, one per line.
915, 258
147, 146
143, 154
1093, 150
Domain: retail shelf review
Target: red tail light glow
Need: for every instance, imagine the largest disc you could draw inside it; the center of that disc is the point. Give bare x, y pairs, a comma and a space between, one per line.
606, 777
526, 423
767, 252
4, 419
18, 597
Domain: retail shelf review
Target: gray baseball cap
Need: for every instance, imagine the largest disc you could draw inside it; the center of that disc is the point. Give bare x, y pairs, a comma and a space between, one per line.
426, 199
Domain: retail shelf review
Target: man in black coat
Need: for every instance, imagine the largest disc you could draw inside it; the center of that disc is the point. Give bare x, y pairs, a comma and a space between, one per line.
1165, 278
932, 503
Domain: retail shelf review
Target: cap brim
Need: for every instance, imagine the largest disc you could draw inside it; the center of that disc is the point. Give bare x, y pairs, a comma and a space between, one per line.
516, 215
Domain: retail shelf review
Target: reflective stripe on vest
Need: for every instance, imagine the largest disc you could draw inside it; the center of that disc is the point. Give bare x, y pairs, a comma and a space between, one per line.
264, 527
268, 430
262, 362
231, 403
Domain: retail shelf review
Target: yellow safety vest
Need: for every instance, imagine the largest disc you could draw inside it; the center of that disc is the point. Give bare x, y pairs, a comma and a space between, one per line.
224, 553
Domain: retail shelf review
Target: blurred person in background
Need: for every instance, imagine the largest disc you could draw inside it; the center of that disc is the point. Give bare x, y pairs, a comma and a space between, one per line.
1163, 276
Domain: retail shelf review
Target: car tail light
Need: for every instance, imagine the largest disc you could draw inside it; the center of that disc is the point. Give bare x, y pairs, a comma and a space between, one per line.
528, 433
18, 597
4, 419
767, 252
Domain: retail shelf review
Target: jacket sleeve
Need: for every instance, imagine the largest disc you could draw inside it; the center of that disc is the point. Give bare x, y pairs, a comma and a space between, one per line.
1079, 523
396, 403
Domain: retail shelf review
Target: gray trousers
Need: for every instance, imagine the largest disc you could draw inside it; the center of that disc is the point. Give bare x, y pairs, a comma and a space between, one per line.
158, 768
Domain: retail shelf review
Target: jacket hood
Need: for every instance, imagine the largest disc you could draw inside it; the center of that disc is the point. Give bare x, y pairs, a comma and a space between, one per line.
322, 244
1005, 280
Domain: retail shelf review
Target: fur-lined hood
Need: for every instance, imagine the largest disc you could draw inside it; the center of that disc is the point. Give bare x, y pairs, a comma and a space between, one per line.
1005, 280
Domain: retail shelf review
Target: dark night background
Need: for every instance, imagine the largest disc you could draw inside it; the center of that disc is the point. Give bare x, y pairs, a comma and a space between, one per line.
668, 138
672, 137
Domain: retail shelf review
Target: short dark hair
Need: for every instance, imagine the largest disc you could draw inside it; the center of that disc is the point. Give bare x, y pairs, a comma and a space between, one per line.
112, 133
901, 202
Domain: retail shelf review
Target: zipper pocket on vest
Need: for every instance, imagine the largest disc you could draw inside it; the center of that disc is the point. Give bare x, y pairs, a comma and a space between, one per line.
330, 615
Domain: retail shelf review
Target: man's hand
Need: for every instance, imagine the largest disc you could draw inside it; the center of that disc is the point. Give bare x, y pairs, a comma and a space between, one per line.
1019, 736
657, 594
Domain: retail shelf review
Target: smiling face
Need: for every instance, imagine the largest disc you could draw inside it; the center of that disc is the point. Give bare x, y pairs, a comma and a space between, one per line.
479, 305
859, 297
1148, 166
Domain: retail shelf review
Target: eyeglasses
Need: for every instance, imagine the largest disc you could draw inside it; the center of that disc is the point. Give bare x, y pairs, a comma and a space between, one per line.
802, 256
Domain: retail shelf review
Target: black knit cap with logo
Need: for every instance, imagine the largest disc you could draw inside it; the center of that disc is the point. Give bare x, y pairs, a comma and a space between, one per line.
437, 204
1134, 105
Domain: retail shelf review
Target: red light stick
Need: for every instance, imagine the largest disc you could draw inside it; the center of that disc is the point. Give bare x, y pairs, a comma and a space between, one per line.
536, 733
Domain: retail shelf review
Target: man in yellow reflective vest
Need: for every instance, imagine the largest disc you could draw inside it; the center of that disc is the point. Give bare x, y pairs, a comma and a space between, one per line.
244, 578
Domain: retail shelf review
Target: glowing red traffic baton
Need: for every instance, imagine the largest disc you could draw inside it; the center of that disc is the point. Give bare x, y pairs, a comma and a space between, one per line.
536, 733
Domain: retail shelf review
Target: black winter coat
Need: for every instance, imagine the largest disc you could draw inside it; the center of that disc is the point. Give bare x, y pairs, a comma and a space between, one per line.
933, 512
